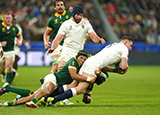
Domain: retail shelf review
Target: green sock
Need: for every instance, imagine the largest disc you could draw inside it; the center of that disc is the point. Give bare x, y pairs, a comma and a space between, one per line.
22, 92
9, 77
12, 103
35, 99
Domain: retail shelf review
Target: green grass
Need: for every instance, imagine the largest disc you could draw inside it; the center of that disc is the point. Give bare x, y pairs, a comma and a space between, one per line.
135, 93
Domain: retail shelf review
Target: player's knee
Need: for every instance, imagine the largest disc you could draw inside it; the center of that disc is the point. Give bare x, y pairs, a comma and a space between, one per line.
48, 88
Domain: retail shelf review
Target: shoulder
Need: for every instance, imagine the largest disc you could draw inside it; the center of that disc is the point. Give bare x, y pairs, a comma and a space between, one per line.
69, 12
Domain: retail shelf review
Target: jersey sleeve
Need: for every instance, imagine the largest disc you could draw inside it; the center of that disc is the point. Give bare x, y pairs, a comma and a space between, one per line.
125, 53
49, 24
17, 31
73, 64
90, 28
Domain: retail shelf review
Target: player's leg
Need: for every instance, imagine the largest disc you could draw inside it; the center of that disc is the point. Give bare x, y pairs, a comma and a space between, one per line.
9, 60
82, 86
15, 65
8, 66
2, 70
47, 88
8, 88
58, 91
54, 63
55, 56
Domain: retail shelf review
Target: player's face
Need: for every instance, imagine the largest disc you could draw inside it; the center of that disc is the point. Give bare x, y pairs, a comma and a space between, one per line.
78, 17
129, 45
7, 19
81, 60
59, 7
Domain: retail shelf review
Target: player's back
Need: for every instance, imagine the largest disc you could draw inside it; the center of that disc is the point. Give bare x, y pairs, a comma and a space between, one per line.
110, 54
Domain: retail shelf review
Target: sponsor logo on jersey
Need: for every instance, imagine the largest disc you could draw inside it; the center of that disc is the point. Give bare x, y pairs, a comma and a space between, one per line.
3, 29
13, 29
55, 21
83, 26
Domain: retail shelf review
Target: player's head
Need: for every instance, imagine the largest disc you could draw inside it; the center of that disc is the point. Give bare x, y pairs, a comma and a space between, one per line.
82, 56
77, 13
127, 41
59, 6
7, 18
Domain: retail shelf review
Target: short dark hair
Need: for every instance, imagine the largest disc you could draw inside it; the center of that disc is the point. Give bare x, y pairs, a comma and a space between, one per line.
127, 38
57, 1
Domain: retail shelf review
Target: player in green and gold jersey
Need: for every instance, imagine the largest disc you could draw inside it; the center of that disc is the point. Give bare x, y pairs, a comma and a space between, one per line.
66, 75
53, 26
8, 32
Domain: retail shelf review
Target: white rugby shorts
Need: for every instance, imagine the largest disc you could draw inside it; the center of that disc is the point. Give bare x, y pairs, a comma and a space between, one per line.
57, 50
89, 67
16, 50
50, 78
67, 54
9, 54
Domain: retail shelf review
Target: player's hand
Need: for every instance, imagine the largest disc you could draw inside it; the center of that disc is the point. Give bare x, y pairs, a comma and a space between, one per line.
97, 72
47, 45
4, 43
50, 50
102, 41
91, 79
18, 43
120, 71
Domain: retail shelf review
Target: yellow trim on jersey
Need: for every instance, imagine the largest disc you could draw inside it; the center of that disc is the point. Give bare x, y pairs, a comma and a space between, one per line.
18, 34
49, 28
3, 24
75, 57
72, 67
57, 15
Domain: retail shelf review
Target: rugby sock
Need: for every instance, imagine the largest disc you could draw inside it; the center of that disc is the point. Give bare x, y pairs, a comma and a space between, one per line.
9, 77
14, 72
35, 99
68, 94
22, 92
58, 91
12, 103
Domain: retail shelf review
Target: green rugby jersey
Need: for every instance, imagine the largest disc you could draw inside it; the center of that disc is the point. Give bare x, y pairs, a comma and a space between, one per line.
8, 35
63, 76
55, 22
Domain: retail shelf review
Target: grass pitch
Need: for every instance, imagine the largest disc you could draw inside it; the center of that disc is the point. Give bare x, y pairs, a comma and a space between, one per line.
135, 93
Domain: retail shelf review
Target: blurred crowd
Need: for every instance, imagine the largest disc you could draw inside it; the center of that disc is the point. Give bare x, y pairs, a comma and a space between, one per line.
137, 18
33, 15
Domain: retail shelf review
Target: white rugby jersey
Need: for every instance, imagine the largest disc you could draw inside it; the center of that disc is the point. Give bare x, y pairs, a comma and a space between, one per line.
75, 33
111, 54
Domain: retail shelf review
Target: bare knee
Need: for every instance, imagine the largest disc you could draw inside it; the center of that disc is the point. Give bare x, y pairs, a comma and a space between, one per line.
48, 88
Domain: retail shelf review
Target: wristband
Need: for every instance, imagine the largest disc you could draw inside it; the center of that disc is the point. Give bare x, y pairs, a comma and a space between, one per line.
88, 79
105, 76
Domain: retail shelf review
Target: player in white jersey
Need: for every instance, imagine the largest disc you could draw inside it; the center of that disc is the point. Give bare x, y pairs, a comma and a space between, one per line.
74, 31
111, 54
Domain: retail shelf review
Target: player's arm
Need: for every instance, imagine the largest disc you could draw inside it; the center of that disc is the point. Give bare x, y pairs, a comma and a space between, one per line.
95, 38
124, 64
55, 43
19, 40
78, 77
46, 38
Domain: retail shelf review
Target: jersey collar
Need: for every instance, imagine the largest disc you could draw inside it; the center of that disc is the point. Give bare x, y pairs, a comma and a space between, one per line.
3, 24
57, 15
